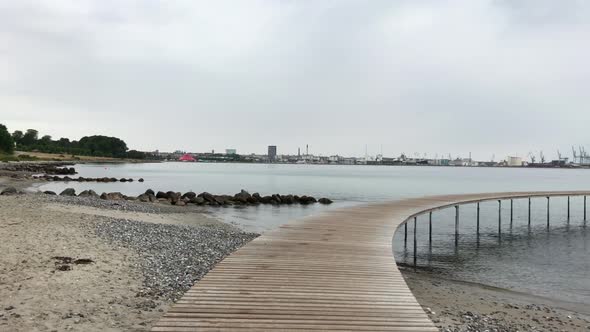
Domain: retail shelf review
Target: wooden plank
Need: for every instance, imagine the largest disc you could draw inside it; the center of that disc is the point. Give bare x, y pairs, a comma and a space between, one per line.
333, 272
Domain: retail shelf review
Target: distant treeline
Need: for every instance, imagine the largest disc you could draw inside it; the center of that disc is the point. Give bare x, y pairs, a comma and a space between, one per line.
96, 146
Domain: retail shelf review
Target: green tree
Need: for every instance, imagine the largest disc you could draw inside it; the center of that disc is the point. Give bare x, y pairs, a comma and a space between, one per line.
105, 146
134, 154
17, 136
63, 142
30, 137
98, 145
45, 140
6, 140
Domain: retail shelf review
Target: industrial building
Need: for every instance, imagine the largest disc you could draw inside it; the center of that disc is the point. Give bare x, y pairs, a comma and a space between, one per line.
513, 161
272, 153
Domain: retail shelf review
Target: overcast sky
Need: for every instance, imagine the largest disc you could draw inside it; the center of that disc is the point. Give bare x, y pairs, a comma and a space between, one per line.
500, 77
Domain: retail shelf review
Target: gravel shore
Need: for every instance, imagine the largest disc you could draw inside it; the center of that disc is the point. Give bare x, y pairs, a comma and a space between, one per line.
173, 257
456, 306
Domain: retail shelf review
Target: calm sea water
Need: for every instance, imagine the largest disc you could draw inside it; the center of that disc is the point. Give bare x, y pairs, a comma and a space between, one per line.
552, 262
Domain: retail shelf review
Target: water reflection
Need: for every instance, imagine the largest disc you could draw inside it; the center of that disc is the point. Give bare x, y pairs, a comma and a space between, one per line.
551, 261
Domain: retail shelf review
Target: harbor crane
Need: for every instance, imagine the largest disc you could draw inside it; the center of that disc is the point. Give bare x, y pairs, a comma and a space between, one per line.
532, 157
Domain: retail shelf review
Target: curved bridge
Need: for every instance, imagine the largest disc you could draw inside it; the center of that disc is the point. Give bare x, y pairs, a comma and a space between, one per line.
334, 271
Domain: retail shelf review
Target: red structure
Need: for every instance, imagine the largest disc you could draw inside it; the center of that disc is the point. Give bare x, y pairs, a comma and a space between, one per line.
187, 157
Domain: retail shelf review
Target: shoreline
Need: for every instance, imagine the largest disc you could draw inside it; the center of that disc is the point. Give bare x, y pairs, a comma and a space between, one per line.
455, 305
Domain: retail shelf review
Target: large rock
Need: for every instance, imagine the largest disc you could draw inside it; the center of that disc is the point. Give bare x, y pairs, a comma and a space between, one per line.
325, 200
116, 196
140, 180
147, 198
9, 191
276, 199
150, 192
242, 197
287, 199
207, 197
222, 199
49, 192
143, 198
173, 197
68, 192
307, 200
198, 200
89, 193
189, 195
59, 171
161, 194
266, 199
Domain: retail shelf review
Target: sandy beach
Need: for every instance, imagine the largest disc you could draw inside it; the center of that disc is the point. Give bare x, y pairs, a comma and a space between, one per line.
67, 267
37, 295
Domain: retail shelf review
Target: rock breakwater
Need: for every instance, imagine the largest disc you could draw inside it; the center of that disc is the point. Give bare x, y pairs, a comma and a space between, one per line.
204, 198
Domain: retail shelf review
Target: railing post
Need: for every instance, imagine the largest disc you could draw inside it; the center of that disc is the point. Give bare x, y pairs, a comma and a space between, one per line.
529, 211
477, 219
499, 218
456, 224
548, 215
405, 234
430, 227
511, 212
415, 242
568, 208
584, 208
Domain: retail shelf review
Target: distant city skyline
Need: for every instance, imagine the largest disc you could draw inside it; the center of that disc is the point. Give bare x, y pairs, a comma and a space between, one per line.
437, 77
536, 155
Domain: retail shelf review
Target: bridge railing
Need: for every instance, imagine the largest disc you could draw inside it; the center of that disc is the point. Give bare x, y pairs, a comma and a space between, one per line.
500, 198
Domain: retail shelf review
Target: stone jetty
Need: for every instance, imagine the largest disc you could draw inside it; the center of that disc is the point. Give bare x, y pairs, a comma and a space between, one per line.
45, 168
56, 178
204, 198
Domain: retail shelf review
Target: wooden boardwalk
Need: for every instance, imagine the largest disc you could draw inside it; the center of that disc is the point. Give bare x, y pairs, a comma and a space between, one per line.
334, 271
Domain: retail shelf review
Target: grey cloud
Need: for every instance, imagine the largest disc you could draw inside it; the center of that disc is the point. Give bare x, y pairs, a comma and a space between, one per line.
490, 77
